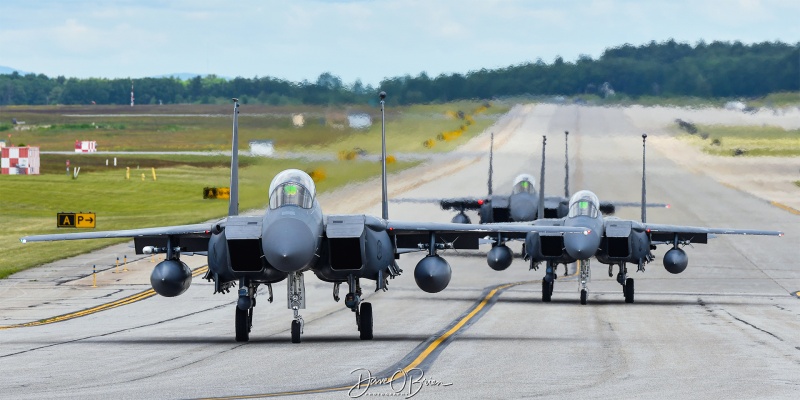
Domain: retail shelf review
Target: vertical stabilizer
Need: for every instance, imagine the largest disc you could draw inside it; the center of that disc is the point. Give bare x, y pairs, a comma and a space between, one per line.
644, 179
233, 206
491, 156
540, 213
384, 195
566, 164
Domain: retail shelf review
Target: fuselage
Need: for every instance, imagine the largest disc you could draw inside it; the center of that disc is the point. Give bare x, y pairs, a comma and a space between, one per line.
292, 237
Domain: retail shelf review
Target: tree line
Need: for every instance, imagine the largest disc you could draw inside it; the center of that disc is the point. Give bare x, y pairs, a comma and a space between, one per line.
670, 68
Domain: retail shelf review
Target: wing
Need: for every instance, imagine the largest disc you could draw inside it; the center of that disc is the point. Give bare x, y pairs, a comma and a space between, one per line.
454, 203
192, 238
464, 236
694, 234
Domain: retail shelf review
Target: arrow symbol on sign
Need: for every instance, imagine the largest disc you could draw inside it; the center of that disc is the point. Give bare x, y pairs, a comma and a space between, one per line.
91, 219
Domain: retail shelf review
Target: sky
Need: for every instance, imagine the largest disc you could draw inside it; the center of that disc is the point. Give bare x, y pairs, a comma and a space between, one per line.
367, 40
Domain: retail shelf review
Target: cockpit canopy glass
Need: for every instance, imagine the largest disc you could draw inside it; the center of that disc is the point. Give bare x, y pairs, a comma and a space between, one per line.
524, 183
292, 187
584, 203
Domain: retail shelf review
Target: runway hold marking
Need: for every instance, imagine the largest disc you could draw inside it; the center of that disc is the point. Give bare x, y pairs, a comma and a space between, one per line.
785, 207
114, 304
400, 372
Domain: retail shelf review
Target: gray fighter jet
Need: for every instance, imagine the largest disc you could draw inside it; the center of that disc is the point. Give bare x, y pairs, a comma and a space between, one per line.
522, 205
293, 237
613, 241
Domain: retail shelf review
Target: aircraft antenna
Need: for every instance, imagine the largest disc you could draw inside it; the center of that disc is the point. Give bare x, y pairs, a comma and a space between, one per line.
566, 164
491, 156
541, 182
384, 199
233, 206
644, 180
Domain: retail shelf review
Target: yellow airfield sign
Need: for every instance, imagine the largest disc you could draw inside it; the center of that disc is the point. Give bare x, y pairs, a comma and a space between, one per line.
76, 220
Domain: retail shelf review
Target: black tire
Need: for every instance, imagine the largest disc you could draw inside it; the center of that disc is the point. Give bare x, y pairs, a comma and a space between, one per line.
242, 325
365, 322
547, 291
629, 290
295, 331
583, 296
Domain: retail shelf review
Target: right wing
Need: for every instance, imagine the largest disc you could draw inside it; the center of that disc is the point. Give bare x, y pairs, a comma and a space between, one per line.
465, 236
192, 238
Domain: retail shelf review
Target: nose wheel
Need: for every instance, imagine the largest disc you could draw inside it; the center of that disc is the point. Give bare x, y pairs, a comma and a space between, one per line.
585, 276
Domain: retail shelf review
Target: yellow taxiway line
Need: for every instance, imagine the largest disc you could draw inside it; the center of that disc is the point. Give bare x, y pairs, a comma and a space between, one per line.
114, 304
402, 371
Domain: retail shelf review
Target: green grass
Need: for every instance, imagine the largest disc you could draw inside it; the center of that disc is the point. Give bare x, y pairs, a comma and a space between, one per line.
781, 99
30, 203
752, 140
797, 183
207, 127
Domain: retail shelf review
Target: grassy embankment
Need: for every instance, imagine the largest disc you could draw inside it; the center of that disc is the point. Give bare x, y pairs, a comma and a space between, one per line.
29, 203
740, 141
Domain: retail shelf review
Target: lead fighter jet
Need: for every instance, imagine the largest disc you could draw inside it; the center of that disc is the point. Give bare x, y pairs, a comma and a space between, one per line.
293, 237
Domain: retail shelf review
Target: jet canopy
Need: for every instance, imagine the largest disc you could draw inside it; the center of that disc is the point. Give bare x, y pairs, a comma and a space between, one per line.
523, 183
584, 203
292, 187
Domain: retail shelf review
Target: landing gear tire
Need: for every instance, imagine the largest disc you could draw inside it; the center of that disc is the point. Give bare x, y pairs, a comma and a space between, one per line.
295, 331
628, 290
583, 296
243, 320
547, 291
365, 321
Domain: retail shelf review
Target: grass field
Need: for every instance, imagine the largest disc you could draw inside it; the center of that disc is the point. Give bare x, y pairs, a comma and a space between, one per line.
28, 204
746, 140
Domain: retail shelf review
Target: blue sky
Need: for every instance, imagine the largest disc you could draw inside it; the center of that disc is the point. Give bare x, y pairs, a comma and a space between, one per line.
357, 39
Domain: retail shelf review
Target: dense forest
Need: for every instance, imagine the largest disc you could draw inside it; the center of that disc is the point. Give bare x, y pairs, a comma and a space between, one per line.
715, 70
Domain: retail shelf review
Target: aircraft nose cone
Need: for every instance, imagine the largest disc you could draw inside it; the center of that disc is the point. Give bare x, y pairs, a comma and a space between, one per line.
288, 245
580, 246
523, 208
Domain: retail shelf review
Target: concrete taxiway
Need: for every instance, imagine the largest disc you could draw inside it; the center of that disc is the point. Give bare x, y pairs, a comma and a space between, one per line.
725, 327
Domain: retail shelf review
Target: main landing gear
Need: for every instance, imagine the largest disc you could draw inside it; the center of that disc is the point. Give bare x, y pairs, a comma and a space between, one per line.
548, 281
622, 278
363, 310
244, 308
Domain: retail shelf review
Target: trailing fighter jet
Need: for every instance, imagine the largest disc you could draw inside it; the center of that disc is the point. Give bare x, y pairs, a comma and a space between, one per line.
613, 241
292, 237
522, 204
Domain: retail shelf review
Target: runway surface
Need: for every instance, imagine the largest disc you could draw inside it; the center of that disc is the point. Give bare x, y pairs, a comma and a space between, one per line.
726, 327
